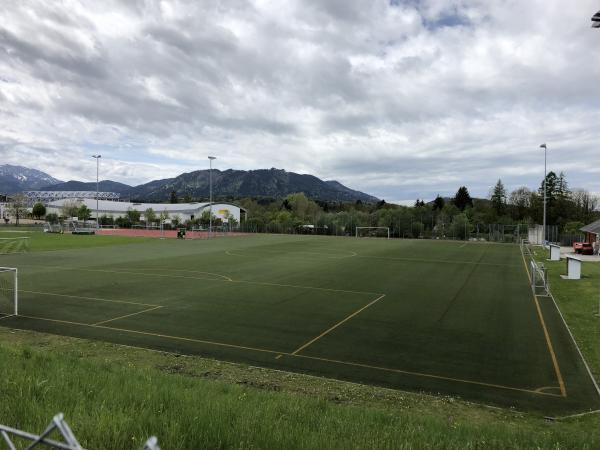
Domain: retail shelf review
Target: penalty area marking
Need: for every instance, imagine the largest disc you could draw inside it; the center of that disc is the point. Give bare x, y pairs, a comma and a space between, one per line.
127, 315
95, 299
218, 280
326, 332
263, 350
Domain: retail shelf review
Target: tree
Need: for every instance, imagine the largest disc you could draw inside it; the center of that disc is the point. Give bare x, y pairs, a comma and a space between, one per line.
164, 216
232, 223
17, 208
106, 220
498, 198
173, 197
70, 209
302, 207
150, 216
551, 188
562, 187
84, 213
520, 201
462, 198
52, 218
133, 215
438, 203
461, 228
205, 218
38, 210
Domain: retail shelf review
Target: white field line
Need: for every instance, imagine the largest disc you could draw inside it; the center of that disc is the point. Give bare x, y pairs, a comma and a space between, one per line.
219, 280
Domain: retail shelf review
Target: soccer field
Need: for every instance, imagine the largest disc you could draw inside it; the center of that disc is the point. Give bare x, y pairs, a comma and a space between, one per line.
444, 317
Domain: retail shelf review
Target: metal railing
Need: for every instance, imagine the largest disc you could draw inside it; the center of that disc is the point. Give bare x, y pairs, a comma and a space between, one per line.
58, 425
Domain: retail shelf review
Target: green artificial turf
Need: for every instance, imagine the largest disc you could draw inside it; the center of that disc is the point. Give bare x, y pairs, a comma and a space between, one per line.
448, 317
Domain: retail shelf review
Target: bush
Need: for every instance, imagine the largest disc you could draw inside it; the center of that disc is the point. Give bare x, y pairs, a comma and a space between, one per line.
52, 218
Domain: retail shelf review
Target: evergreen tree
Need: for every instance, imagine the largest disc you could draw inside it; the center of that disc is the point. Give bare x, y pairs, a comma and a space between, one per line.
551, 188
462, 199
562, 187
498, 198
173, 197
438, 203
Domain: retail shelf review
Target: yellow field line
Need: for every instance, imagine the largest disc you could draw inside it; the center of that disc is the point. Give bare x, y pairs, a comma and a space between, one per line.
294, 253
297, 286
146, 333
262, 350
427, 375
97, 299
127, 315
435, 261
162, 275
184, 271
218, 280
561, 383
358, 311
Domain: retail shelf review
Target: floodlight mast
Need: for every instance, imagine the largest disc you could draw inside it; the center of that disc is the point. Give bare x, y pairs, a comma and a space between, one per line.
545, 175
210, 158
97, 157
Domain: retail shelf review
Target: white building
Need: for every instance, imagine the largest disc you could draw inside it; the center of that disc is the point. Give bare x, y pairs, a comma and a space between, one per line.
182, 211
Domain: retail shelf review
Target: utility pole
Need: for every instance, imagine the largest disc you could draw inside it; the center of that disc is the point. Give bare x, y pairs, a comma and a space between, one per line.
97, 157
210, 158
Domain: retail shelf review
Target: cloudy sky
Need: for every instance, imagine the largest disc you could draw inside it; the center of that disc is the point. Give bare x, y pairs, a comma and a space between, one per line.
400, 99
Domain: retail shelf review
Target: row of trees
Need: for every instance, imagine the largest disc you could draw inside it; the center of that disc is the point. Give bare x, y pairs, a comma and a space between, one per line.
456, 216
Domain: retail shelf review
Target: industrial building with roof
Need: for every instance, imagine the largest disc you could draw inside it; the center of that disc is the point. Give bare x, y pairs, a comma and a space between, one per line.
182, 211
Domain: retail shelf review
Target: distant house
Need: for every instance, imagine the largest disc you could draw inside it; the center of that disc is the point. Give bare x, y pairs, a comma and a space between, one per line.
592, 231
182, 211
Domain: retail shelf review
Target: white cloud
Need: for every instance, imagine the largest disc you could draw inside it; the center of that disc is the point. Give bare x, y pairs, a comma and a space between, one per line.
401, 100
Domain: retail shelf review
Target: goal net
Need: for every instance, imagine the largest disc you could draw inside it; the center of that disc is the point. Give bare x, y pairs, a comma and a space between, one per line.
539, 278
380, 232
8, 291
537, 272
14, 245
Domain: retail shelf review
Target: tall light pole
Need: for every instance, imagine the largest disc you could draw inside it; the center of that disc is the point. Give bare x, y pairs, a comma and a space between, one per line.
544, 230
97, 157
210, 159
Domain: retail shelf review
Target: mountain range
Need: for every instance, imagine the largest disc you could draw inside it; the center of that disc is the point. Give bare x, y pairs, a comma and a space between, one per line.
271, 183
18, 178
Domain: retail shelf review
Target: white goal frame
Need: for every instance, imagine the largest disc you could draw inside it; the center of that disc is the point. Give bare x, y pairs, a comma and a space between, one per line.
373, 228
16, 291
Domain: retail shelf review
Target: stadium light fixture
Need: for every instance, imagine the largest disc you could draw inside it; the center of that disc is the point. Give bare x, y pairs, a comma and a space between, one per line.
596, 20
544, 230
210, 159
97, 157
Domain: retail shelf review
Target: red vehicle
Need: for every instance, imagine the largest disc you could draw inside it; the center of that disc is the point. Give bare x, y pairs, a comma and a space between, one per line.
584, 248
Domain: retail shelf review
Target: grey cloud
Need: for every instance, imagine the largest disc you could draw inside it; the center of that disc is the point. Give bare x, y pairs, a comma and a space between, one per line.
394, 98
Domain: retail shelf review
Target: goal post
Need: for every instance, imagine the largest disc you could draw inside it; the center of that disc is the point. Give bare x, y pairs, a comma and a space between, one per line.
381, 232
9, 291
14, 245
